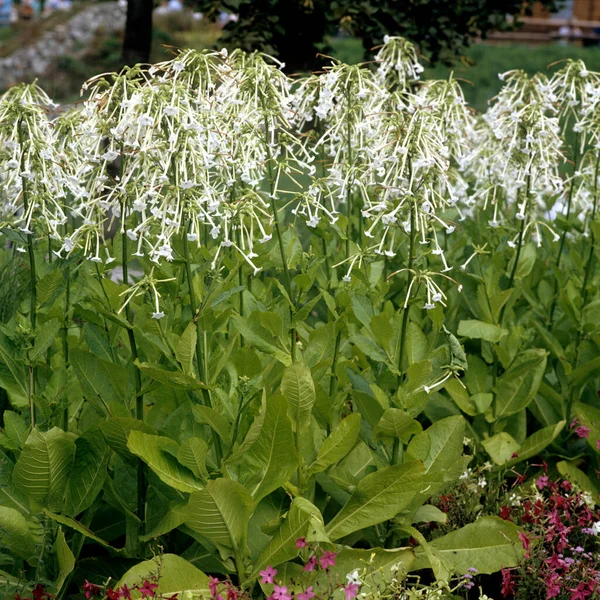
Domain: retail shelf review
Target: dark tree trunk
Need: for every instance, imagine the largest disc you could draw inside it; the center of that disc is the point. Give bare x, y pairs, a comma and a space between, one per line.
138, 32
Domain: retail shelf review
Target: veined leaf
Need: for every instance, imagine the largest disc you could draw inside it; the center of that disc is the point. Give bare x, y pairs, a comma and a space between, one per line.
192, 454
271, 459
186, 349
378, 497
480, 330
488, 545
19, 534
49, 286
42, 470
282, 546
536, 442
88, 472
64, 559
589, 416
501, 447
44, 336
116, 431
257, 336
516, 388
217, 422
396, 423
10, 495
12, 373
337, 445
220, 512
579, 478
173, 379
299, 390
159, 453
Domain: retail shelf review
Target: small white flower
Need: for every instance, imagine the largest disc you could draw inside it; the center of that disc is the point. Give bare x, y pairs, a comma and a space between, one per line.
596, 528
21, 249
158, 315
265, 239
347, 278
353, 577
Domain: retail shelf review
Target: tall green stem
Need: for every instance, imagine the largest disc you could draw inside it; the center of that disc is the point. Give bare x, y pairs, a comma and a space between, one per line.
410, 269
139, 398
521, 233
563, 237
287, 281
32, 274
65, 340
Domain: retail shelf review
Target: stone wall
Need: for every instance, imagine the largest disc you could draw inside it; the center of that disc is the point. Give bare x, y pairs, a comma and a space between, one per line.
71, 37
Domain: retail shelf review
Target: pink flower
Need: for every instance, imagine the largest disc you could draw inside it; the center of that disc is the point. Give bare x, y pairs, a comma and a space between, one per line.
582, 431
508, 584
598, 444
307, 595
268, 574
542, 482
147, 590
301, 542
90, 589
281, 593
124, 592
351, 590
327, 559
526, 543
580, 592
213, 582
311, 564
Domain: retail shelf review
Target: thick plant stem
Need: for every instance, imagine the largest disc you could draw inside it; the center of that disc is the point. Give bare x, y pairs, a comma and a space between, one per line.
287, 281
513, 272
32, 277
139, 398
409, 266
587, 274
563, 237
201, 338
65, 340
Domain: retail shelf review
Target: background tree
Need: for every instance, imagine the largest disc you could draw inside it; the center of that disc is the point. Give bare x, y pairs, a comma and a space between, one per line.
295, 30
138, 32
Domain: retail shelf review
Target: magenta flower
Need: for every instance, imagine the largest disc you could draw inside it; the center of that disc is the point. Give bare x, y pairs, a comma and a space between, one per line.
598, 444
301, 542
268, 574
311, 564
147, 590
213, 583
582, 431
307, 595
327, 559
281, 593
124, 592
542, 482
351, 590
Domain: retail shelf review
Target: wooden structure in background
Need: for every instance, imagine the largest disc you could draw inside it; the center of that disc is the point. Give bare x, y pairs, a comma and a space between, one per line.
578, 23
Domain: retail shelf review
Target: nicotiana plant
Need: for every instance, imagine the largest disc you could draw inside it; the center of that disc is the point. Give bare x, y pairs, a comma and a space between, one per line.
262, 310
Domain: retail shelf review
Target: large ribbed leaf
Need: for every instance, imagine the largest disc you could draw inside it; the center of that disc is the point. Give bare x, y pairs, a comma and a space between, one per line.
378, 497
174, 574
192, 454
18, 534
89, 471
116, 431
488, 545
282, 546
186, 349
103, 382
64, 559
338, 444
43, 468
10, 495
44, 336
13, 377
220, 512
271, 459
299, 390
159, 453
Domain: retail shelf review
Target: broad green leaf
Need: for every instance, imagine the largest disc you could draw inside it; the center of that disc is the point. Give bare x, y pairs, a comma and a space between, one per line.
186, 349
396, 423
369, 348
10, 495
116, 431
173, 379
501, 447
220, 512
429, 514
417, 347
282, 546
337, 445
192, 454
579, 478
174, 575
88, 473
15, 428
461, 396
516, 387
173, 518
536, 442
488, 545
299, 390
102, 382
44, 336
258, 336
43, 468
378, 497
19, 534
64, 559
217, 422
13, 377
270, 461
480, 330
159, 453
98, 342
48, 286
80, 528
